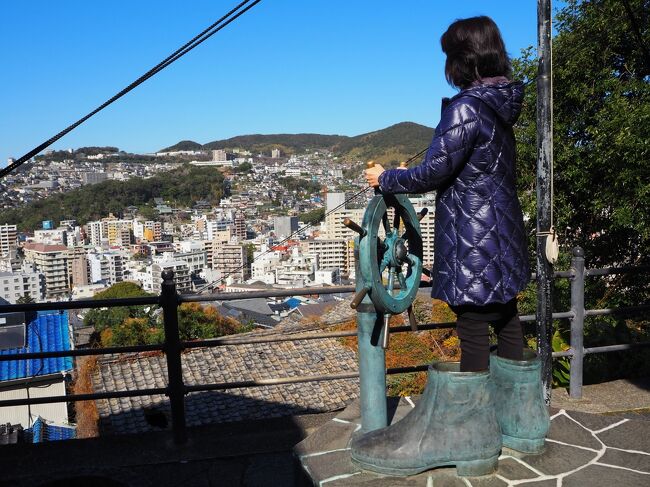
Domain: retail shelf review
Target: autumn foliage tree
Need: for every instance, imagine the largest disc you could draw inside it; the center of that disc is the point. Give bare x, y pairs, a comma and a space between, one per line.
141, 325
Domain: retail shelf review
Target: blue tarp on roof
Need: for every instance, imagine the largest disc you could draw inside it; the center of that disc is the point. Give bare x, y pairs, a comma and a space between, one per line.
293, 302
43, 431
46, 332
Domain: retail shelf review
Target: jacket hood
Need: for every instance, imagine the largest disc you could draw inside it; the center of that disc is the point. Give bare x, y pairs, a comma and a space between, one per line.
504, 98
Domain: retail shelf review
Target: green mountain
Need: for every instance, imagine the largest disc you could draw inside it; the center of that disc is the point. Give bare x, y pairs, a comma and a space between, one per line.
389, 145
184, 145
182, 185
291, 142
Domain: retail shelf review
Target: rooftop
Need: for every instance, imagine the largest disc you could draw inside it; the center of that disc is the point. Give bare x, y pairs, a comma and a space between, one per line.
228, 363
46, 332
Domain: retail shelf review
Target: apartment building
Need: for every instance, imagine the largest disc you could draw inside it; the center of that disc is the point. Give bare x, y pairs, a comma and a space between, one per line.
230, 260
147, 231
95, 233
427, 226
195, 259
181, 275
238, 228
332, 253
285, 225
52, 262
108, 267
15, 285
264, 265
112, 230
297, 271
8, 238
334, 228
79, 269
55, 236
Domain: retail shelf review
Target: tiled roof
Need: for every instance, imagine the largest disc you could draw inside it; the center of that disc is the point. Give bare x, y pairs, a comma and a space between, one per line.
337, 312
41, 247
228, 363
47, 332
315, 310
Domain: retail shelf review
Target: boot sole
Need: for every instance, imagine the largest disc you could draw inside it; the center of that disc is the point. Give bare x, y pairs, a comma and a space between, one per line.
524, 445
465, 468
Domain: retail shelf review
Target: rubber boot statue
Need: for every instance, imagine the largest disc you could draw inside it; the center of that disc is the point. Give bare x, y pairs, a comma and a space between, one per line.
521, 410
453, 423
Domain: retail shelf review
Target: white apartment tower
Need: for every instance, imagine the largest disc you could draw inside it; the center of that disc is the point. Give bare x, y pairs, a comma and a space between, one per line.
15, 285
332, 253
181, 275
8, 238
230, 260
52, 262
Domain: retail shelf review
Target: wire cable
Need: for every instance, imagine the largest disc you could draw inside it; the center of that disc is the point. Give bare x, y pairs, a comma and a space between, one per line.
187, 47
212, 284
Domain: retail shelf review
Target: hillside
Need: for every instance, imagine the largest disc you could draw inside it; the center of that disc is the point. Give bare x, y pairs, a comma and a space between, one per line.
391, 144
183, 185
290, 142
184, 145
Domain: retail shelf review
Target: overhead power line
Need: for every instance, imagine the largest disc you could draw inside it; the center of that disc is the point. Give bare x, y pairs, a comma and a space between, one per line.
187, 47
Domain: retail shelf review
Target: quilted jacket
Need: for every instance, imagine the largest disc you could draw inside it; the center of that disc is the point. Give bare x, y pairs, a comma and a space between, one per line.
480, 244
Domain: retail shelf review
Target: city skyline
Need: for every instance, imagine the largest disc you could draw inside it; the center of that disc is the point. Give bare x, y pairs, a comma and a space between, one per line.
354, 70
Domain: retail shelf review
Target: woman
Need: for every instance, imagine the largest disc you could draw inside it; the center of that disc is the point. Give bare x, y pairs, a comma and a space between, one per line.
480, 265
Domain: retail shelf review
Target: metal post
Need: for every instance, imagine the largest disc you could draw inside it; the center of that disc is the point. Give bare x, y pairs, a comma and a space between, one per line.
175, 387
544, 192
577, 322
372, 359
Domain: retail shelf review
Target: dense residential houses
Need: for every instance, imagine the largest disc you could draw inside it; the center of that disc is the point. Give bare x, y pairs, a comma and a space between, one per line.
255, 235
219, 246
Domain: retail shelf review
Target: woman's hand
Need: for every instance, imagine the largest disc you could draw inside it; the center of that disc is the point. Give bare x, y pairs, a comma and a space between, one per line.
372, 175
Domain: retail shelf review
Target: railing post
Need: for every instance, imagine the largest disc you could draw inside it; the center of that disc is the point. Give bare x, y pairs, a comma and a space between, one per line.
577, 322
175, 386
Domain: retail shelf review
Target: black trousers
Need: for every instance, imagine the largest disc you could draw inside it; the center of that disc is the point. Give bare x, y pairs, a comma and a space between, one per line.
472, 326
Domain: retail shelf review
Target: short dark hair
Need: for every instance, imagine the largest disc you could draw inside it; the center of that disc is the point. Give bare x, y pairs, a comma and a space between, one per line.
474, 50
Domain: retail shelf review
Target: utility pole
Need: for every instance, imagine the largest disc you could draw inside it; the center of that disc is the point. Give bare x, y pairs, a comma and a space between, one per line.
544, 192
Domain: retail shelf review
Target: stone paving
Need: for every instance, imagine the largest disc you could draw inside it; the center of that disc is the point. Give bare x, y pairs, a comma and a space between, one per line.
581, 449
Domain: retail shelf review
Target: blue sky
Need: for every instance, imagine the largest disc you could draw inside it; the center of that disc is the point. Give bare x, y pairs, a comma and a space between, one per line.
287, 66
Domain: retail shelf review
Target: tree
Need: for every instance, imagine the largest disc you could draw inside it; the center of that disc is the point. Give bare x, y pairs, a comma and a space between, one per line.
137, 325
601, 76
244, 168
132, 331
102, 319
26, 299
195, 321
313, 217
601, 116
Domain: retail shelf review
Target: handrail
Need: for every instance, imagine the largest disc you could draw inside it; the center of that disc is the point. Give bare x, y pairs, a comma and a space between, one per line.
169, 300
271, 293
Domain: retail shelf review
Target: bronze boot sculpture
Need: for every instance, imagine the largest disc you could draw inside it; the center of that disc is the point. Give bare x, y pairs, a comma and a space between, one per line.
521, 410
453, 423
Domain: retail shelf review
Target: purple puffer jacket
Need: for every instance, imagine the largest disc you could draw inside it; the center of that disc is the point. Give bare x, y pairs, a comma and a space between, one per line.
480, 244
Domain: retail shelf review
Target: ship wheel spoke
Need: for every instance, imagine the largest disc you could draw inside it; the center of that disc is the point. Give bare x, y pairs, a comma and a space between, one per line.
385, 223
396, 220
401, 279
391, 280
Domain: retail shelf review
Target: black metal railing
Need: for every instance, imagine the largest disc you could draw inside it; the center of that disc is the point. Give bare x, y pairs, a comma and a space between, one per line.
169, 300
